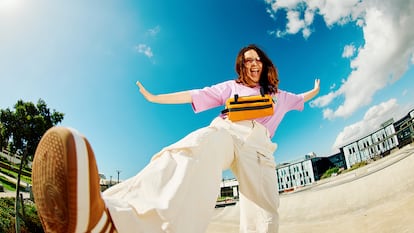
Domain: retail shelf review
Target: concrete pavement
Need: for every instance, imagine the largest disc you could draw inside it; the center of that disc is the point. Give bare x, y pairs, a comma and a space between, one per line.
376, 198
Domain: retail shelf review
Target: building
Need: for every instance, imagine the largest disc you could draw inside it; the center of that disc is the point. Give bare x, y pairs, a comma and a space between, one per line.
229, 188
297, 174
306, 171
338, 159
404, 129
373, 146
378, 144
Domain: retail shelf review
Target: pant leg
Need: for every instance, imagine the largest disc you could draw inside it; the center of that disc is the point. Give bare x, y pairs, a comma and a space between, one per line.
177, 190
255, 169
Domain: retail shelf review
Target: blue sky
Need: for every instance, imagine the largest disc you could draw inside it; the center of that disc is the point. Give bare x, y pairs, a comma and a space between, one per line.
84, 57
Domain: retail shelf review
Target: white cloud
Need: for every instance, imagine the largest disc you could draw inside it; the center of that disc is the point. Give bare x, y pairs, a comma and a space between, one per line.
283, 4
387, 51
154, 31
295, 24
334, 12
328, 113
349, 51
372, 120
309, 16
306, 32
297, 19
382, 60
144, 49
325, 100
278, 33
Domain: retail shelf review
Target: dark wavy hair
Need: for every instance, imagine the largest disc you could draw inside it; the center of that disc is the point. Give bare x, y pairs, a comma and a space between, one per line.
269, 78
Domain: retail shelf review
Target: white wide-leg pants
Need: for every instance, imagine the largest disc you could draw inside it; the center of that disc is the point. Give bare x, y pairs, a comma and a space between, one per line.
176, 192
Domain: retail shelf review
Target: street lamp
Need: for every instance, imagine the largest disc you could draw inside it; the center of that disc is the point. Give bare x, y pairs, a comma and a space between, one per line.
118, 171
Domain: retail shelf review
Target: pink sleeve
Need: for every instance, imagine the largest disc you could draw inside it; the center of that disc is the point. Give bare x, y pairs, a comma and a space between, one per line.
292, 101
210, 97
284, 102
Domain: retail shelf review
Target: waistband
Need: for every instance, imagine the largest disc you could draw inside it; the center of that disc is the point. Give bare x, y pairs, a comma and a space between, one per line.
248, 124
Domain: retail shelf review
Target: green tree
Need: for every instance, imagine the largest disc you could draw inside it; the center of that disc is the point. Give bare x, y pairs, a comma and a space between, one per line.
22, 129
6, 117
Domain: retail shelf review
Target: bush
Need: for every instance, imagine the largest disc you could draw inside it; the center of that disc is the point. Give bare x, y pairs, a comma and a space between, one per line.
328, 173
7, 215
358, 165
29, 222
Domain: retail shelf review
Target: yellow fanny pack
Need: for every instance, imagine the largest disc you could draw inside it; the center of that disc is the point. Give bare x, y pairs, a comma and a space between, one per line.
241, 108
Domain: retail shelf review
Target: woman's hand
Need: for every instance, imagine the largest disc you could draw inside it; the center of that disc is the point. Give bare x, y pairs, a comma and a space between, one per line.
317, 84
144, 92
312, 93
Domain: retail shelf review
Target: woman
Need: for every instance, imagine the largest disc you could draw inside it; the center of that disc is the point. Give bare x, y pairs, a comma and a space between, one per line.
177, 190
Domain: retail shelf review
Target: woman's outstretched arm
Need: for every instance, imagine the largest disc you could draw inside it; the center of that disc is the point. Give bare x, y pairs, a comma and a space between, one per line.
312, 93
171, 98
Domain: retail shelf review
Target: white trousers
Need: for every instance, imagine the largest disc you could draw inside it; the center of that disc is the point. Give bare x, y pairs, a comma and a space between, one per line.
176, 192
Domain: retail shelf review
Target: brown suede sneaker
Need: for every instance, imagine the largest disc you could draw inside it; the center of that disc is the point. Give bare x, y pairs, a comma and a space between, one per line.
66, 184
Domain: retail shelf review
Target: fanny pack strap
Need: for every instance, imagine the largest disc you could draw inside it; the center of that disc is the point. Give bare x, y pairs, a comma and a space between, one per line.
236, 98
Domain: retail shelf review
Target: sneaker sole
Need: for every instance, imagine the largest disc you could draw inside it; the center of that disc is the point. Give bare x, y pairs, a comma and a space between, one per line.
66, 184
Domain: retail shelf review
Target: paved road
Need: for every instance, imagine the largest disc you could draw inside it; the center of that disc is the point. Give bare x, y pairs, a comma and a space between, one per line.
376, 198
7, 193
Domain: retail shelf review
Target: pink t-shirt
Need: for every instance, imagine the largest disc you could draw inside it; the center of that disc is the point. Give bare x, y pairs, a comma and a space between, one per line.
216, 95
